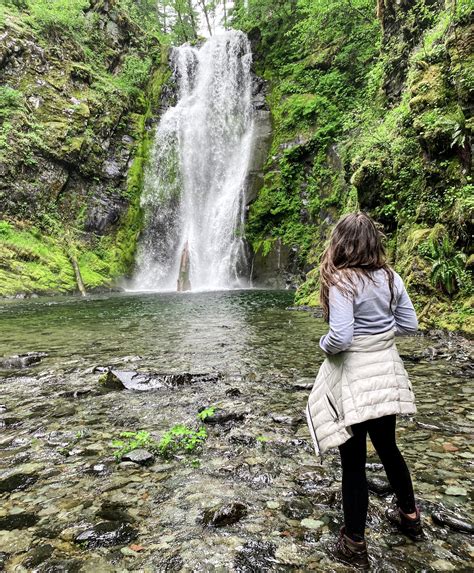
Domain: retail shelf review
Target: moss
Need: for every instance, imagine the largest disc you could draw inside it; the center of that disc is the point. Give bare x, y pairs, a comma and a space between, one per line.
308, 293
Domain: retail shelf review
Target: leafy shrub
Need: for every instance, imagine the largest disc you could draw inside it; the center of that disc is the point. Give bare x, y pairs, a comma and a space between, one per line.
58, 16
448, 265
181, 440
132, 441
135, 72
10, 100
206, 413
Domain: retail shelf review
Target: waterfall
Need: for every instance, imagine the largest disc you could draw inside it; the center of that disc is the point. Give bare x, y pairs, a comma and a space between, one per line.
194, 193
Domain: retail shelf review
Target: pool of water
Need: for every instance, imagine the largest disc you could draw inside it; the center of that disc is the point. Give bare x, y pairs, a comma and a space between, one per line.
59, 477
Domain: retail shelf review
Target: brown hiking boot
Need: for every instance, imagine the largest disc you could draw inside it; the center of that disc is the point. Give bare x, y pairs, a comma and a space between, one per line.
411, 527
350, 552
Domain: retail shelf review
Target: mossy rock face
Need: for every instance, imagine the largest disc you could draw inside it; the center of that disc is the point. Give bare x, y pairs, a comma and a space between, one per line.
429, 89
73, 128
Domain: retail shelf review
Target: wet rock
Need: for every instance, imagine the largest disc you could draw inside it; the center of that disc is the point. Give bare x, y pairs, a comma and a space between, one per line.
374, 467
106, 534
80, 393
378, 485
62, 566
139, 456
98, 470
114, 511
255, 556
442, 565
63, 410
297, 508
12, 481
18, 521
243, 440
455, 490
453, 522
130, 380
22, 360
233, 392
37, 555
312, 523
286, 420
224, 418
221, 515
411, 357
11, 542
303, 385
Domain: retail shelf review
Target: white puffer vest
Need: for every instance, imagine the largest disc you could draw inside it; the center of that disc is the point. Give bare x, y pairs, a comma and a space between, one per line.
366, 381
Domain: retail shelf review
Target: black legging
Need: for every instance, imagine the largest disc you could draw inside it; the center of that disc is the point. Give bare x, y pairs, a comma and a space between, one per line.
355, 495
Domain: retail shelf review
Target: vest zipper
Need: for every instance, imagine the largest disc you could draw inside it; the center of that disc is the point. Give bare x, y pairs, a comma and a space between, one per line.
310, 418
333, 408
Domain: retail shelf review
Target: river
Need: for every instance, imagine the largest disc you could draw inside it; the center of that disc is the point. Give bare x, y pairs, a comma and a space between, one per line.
59, 477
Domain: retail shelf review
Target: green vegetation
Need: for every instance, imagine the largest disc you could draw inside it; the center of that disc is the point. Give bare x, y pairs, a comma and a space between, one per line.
370, 110
100, 87
448, 271
206, 413
131, 441
181, 440
370, 104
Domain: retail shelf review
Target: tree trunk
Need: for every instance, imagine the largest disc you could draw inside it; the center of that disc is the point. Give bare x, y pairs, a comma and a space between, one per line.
77, 272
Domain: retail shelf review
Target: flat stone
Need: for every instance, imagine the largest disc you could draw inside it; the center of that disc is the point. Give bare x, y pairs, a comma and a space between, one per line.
273, 504
312, 523
37, 555
18, 521
106, 534
221, 417
455, 490
442, 565
139, 456
22, 360
13, 481
128, 552
14, 541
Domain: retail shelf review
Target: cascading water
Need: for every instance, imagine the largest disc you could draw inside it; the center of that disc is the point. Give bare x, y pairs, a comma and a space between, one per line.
194, 196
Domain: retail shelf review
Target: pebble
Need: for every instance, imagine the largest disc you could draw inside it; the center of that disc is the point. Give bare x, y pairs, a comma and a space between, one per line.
455, 490
311, 523
273, 504
442, 565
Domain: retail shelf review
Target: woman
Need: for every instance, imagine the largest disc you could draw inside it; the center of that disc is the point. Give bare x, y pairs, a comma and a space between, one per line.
362, 385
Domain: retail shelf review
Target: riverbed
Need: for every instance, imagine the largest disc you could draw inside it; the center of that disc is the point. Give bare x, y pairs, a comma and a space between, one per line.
68, 505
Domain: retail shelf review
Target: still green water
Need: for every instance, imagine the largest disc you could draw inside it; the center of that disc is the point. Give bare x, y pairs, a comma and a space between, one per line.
225, 331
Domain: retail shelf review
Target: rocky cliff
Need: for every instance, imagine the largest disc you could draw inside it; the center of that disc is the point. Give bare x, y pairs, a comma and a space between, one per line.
79, 98
371, 109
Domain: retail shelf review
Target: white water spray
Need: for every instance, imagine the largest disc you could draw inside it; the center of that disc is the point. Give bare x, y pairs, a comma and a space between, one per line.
194, 191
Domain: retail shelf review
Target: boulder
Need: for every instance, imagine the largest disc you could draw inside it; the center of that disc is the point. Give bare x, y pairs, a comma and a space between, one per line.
107, 534
221, 515
12, 481
22, 360
140, 381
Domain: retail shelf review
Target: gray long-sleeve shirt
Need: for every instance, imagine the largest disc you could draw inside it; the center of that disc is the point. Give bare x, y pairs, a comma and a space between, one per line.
368, 312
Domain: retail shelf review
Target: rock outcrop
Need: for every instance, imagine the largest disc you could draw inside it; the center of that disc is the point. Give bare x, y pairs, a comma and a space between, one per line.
78, 112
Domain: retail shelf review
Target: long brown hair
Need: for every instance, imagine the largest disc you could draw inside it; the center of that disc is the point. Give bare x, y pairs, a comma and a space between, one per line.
355, 249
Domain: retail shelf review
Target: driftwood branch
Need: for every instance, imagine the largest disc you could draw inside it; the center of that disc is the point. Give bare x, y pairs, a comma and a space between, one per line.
77, 272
